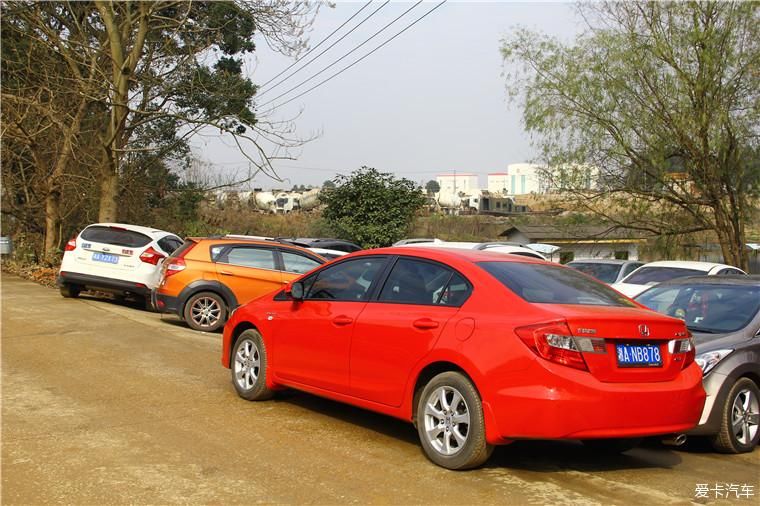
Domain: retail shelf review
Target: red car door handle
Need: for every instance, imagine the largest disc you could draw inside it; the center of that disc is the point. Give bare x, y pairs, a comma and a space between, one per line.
343, 320
226, 273
425, 324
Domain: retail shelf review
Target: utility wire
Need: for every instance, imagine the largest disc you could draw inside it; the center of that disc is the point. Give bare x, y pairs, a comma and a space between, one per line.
342, 57
323, 51
319, 44
357, 61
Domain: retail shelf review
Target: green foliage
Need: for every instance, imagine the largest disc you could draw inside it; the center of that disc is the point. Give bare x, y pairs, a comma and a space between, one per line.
662, 99
432, 186
371, 208
180, 70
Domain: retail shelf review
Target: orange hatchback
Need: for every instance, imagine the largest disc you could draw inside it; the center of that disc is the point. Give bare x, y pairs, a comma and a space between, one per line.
206, 278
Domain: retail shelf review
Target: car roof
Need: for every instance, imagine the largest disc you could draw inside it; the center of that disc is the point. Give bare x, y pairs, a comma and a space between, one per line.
443, 244
449, 254
327, 251
714, 280
687, 264
602, 261
249, 240
134, 228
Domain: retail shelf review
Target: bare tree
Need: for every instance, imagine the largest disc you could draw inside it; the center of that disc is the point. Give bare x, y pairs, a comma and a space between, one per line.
662, 99
175, 60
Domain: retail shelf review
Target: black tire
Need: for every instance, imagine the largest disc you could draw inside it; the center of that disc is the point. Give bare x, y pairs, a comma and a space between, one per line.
144, 304
70, 291
744, 391
248, 367
210, 321
612, 446
474, 450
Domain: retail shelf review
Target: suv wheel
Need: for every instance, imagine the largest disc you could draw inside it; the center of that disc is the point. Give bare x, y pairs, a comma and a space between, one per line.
205, 311
249, 367
739, 419
450, 422
70, 291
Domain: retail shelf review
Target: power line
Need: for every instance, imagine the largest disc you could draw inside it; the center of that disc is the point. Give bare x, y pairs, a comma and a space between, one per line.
319, 44
357, 61
342, 57
324, 51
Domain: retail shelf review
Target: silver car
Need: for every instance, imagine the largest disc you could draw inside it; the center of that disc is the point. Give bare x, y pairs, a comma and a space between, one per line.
606, 270
723, 314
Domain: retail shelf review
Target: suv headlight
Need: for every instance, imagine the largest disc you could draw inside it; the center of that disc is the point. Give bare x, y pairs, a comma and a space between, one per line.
707, 361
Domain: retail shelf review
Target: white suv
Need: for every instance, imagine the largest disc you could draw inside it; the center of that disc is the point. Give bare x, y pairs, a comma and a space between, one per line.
115, 257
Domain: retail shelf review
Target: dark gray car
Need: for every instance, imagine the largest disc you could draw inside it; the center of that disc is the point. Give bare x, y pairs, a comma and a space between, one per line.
723, 314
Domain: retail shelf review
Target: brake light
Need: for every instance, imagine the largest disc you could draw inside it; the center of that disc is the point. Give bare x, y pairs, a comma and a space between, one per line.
72, 244
683, 349
172, 266
553, 341
151, 256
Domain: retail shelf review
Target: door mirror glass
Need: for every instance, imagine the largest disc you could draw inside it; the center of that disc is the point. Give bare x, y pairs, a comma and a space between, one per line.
296, 290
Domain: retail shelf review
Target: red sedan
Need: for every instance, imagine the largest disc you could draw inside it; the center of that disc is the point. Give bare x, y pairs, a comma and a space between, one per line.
475, 348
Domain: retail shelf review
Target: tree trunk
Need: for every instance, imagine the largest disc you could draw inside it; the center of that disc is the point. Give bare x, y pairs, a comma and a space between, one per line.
123, 64
732, 241
53, 198
52, 223
109, 192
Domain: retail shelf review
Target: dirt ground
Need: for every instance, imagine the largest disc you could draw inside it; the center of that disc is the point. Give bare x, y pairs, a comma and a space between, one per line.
103, 403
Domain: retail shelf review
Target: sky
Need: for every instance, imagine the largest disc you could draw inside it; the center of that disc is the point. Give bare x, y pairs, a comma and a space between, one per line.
431, 101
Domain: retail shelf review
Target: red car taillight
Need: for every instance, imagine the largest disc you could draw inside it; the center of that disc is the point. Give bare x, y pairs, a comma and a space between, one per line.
686, 349
554, 342
173, 266
72, 244
151, 256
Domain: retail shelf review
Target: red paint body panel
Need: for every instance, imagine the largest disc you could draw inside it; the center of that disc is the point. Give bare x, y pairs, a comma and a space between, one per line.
375, 361
387, 345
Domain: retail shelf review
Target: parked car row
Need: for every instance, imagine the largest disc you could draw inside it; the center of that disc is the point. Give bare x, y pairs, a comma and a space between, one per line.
633, 277
477, 344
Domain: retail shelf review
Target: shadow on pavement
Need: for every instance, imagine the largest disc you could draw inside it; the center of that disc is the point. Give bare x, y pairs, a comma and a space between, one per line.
376, 422
550, 456
136, 303
536, 456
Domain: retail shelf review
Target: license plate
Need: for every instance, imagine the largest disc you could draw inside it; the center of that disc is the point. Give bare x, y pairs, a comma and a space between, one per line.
638, 355
105, 257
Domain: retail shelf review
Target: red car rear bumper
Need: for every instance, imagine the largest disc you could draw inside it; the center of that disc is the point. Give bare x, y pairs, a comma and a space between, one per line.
569, 404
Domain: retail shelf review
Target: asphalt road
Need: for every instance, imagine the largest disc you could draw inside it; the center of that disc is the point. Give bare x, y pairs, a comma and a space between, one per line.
107, 404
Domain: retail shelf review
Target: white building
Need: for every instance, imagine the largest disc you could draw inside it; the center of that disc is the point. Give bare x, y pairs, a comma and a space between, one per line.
525, 178
498, 182
455, 183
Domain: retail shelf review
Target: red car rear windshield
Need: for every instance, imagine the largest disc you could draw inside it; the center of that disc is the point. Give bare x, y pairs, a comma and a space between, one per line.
549, 284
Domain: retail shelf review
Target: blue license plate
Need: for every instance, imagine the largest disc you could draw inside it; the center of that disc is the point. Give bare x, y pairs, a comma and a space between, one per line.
105, 257
638, 355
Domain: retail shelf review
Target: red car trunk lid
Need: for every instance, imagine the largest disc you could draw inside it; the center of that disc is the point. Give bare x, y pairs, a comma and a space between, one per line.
626, 326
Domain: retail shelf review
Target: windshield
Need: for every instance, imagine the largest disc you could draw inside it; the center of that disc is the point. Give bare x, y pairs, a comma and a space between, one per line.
115, 235
550, 284
652, 275
603, 272
706, 308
